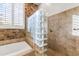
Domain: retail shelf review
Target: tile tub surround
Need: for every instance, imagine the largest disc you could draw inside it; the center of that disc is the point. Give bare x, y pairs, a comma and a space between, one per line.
60, 33
8, 34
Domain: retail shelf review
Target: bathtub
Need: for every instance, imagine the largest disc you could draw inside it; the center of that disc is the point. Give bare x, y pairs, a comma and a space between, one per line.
15, 49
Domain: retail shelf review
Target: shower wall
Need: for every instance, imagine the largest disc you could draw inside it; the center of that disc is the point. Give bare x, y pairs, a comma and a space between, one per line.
60, 36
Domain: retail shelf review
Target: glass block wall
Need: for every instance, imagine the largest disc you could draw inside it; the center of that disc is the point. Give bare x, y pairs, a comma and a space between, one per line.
37, 26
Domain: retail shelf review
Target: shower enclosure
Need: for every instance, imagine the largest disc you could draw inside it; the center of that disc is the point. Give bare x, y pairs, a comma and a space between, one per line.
37, 26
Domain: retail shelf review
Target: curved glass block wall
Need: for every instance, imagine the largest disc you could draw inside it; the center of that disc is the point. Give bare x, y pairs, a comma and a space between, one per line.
37, 26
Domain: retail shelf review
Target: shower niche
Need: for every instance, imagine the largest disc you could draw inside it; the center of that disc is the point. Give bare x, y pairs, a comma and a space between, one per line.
37, 26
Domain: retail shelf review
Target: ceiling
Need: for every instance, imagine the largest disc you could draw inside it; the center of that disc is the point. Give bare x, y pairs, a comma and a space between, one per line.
54, 8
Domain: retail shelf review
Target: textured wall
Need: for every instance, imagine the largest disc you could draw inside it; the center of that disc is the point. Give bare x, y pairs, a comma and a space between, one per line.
30, 8
8, 34
60, 33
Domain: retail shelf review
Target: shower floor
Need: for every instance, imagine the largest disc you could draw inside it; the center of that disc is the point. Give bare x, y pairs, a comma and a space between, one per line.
51, 52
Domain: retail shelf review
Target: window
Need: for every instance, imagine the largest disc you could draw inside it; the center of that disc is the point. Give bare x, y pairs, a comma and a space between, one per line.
12, 15
5, 14
75, 25
18, 14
